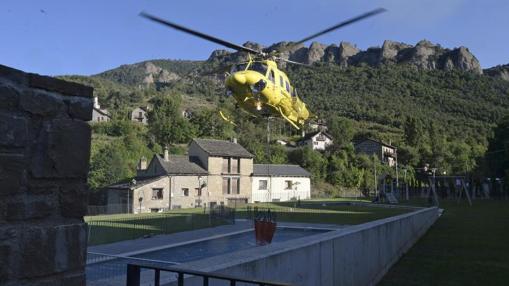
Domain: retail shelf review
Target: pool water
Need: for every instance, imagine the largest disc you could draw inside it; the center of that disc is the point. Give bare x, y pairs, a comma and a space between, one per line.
97, 273
222, 245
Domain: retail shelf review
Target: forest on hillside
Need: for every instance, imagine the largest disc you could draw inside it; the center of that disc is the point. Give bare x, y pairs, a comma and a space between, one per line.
446, 119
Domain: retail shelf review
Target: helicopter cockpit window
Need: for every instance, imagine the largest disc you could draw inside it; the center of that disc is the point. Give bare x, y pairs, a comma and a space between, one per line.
288, 87
259, 67
281, 81
271, 76
238, 67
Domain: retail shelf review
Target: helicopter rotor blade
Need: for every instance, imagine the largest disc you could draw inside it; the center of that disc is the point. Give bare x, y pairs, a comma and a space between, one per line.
342, 24
294, 62
200, 34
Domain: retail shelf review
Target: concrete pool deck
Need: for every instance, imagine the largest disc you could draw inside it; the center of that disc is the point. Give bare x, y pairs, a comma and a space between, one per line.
141, 245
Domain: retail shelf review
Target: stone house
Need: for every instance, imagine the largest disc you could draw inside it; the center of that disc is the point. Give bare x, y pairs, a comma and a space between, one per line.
274, 183
139, 114
215, 172
318, 140
98, 114
385, 152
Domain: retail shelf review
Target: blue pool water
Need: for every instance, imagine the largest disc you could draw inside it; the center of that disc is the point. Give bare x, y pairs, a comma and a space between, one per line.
112, 272
218, 246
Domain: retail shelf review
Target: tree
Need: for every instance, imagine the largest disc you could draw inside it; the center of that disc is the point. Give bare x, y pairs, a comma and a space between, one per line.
414, 132
341, 129
166, 123
310, 160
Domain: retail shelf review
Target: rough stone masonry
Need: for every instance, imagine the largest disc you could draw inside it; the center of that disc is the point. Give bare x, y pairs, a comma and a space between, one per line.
44, 160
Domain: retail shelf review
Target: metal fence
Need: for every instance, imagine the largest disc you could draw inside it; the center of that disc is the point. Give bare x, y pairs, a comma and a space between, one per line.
108, 229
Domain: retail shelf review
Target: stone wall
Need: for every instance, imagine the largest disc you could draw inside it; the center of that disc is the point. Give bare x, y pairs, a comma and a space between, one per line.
44, 160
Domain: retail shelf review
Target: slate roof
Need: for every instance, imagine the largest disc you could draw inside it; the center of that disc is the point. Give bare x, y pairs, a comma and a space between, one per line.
279, 170
180, 165
222, 148
140, 181
373, 140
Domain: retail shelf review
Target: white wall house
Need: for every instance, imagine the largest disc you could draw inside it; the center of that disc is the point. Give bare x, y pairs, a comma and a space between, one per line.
139, 114
279, 183
318, 140
98, 114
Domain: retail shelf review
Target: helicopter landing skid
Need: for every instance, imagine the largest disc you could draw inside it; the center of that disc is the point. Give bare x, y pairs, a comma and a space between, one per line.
287, 119
226, 118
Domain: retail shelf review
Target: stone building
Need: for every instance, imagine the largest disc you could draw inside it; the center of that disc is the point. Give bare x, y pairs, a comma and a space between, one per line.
318, 140
139, 114
215, 172
275, 183
44, 162
385, 152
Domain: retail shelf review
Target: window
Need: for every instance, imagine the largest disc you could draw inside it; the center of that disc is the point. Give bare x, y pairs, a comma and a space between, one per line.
262, 185
185, 192
281, 81
226, 185
157, 194
234, 164
288, 87
154, 210
198, 192
259, 67
238, 67
272, 77
288, 185
226, 165
235, 186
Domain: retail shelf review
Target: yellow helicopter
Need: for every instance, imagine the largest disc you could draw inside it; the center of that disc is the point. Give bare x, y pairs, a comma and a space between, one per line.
258, 85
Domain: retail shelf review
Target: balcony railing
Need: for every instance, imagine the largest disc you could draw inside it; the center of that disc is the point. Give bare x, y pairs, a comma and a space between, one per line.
134, 276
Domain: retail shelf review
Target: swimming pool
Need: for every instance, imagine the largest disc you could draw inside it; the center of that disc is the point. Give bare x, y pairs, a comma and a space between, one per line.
112, 270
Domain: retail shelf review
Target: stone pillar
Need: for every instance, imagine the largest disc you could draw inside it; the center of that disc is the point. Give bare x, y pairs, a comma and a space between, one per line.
44, 160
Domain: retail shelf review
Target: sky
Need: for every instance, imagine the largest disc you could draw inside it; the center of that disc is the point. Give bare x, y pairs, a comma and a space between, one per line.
57, 37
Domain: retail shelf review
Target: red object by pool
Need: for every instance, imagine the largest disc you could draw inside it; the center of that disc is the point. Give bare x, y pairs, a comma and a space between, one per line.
264, 231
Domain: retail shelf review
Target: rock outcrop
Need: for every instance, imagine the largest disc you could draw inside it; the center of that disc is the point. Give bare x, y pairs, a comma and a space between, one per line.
424, 55
155, 74
501, 71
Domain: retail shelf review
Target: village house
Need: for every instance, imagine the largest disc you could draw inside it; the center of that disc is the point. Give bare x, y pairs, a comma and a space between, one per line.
98, 114
318, 140
274, 183
215, 172
385, 152
139, 114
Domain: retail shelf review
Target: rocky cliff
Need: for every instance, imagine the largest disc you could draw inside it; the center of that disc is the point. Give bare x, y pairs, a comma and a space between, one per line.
424, 55
501, 72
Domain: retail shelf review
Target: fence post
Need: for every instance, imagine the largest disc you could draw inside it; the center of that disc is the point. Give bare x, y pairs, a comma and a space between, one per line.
133, 275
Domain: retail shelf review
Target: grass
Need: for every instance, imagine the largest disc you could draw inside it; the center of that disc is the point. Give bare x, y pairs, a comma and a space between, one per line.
108, 229
466, 246
325, 212
112, 228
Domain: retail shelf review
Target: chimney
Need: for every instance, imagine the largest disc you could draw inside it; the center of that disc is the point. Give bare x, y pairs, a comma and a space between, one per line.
142, 165
166, 154
234, 140
96, 102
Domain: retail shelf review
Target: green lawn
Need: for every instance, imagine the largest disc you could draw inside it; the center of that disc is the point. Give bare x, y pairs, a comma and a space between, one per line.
466, 246
324, 212
108, 229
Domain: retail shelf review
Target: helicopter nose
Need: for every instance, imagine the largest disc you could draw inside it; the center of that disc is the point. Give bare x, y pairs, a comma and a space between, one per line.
239, 78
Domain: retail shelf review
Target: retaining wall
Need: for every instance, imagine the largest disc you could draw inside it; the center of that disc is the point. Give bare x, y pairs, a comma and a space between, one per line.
358, 255
44, 160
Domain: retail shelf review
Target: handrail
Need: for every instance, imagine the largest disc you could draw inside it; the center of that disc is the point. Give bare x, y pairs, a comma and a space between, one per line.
134, 271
